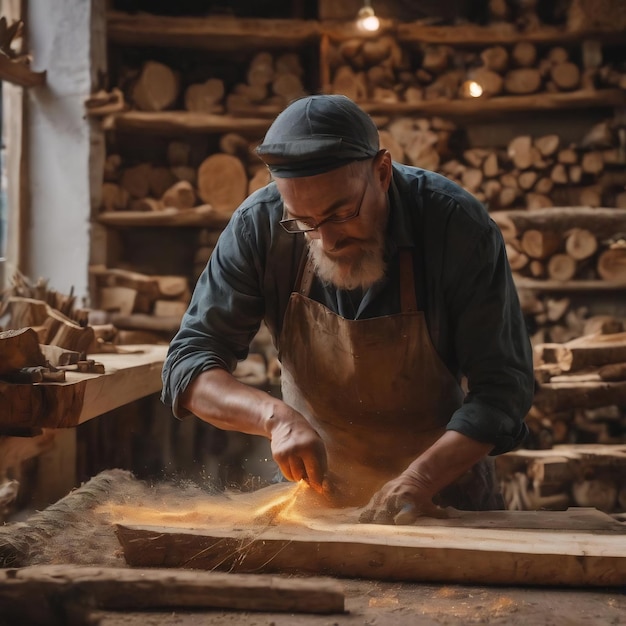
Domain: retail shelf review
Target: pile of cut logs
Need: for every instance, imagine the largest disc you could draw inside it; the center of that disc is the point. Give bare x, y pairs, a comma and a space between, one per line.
529, 172
564, 256
214, 189
383, 71
270, 83
142, 308
564, 476
581, 394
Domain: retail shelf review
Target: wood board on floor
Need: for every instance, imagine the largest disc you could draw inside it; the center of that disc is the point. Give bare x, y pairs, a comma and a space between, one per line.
62, 591
468, 549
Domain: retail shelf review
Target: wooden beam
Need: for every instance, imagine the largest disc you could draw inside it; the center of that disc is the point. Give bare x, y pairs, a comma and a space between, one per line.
426, 552
59, 588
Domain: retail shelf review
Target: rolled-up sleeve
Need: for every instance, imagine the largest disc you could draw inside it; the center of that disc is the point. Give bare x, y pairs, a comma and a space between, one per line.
492, 344
225, 312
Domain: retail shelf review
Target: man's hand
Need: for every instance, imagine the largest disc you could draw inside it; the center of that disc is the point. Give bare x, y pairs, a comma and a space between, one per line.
297, 448
401, 501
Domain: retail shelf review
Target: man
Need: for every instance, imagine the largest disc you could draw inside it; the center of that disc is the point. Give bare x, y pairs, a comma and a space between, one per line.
383, 286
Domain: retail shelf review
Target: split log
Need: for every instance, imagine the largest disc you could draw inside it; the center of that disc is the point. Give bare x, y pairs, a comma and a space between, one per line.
205, 97
566, 76
222, 182
561, 267
157, 87
547, 145
172, 286
540, 244
114, 197
112, 165
180, 195
58, 357
170, 308
522, 152
613, 372
524, 54
611, 265
495, 58
522, 81
117, 299
580, 243
19, 349
160, 179
136, 180
572, 357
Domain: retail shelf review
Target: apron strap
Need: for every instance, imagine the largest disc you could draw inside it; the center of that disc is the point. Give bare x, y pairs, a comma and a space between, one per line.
305, 275
408, 301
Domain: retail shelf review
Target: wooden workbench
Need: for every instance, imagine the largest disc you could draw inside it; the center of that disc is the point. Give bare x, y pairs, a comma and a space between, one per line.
127, 377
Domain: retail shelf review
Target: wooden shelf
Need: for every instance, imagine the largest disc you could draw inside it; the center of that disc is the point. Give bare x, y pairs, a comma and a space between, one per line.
217, 33
482, 107
522, 282
175, 122
499, 34
168, 217
81, 397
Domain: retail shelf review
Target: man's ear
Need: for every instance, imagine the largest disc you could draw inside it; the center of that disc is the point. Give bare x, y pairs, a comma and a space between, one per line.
383, 168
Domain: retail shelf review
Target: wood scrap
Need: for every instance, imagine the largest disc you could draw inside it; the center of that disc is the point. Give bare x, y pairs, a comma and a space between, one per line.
65, 589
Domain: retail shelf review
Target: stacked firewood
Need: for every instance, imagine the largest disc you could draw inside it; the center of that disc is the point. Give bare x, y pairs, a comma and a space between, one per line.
581, 388
140, 307
213, 188
270, 82
564, 256
530, 172
567, 475
382, 70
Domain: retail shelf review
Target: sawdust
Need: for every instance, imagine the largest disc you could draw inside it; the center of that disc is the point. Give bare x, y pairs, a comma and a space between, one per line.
87, 537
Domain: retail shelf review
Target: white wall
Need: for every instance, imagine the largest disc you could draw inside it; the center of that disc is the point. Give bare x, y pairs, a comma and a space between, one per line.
59, 143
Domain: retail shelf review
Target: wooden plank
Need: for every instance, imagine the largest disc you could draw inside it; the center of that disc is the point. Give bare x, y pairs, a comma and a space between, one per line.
175, 122
428, 553
481, 107
81, 397
218, 33
499, 34
557, 286
554, 397
62, 586
167, 217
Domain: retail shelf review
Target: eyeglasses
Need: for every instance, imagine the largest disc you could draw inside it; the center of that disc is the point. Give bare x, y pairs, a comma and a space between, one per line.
299, 225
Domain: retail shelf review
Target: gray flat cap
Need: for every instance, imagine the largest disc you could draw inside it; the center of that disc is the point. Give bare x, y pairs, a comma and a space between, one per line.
317, 134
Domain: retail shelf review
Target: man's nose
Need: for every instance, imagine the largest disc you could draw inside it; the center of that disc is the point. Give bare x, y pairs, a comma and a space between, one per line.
327, 234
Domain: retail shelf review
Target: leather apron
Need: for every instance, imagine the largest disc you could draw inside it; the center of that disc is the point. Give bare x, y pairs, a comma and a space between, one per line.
376, 391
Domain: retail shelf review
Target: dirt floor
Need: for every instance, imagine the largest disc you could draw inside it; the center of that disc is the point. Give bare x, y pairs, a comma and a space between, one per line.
381, 604
78, 530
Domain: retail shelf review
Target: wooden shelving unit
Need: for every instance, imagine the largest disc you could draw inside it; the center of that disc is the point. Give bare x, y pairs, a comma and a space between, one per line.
167, 217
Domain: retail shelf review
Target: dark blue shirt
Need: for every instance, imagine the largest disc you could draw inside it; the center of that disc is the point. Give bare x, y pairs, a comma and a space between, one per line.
463, 284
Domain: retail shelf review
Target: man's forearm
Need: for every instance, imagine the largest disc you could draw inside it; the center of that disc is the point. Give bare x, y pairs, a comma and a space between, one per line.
218, 398
446, 460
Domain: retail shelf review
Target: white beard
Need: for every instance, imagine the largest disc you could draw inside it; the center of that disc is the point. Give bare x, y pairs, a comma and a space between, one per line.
350, 274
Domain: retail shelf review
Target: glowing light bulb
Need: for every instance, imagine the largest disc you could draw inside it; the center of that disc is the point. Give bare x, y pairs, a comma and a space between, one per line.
473, 89
367, 20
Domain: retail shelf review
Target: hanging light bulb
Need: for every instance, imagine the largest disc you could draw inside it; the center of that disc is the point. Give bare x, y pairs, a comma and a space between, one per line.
366, 18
